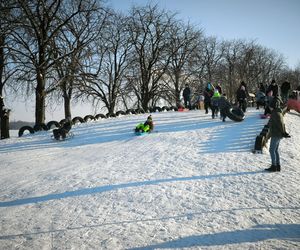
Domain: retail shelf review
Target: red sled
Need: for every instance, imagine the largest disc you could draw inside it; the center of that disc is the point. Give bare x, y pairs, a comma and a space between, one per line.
182, 109
293, 104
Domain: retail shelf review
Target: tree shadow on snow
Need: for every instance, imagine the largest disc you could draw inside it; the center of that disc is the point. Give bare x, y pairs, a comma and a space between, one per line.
235, 136
107, 188
255, 234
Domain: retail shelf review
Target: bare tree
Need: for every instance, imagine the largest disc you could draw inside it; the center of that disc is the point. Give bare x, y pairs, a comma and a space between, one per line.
106, 72
6, 70
183, 47
75, 40
150, 30
33, 38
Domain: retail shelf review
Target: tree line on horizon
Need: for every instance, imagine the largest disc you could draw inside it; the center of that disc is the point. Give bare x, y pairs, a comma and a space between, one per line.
78, 50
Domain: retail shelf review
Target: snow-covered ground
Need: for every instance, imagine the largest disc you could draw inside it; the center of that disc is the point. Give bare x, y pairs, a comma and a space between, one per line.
192, 184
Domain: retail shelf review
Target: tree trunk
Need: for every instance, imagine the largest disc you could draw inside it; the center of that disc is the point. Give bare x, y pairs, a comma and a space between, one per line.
67, 107
40, 100
4, 121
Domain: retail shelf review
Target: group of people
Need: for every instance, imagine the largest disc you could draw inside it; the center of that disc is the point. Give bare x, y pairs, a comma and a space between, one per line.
217, 101
265, 94
269, 98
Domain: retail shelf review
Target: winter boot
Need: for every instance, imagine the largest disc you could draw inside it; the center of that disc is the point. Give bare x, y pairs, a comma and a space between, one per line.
273, 168
278, 168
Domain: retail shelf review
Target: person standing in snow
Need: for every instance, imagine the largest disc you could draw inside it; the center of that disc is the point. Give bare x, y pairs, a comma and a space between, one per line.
272, 91
285, 89
215, 104
208, 93
277, 132
241, 97
187, 96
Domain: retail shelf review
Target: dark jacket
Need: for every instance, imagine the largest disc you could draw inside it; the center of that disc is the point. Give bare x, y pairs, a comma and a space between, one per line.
273, 88
285, 87
277, 127
208, 93
186, 93
224, 103
241, 94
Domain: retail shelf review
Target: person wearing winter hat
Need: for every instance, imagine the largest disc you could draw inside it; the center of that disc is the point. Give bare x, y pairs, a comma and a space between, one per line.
147, 126
215, 103
241, 97
277, 132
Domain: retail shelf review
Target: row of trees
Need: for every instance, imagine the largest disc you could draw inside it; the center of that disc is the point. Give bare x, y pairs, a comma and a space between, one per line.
79, 49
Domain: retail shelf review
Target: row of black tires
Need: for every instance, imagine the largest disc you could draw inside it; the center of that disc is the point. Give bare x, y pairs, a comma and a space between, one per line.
78, 119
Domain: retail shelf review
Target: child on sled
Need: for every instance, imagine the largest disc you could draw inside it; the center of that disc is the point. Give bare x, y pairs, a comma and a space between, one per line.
147, 126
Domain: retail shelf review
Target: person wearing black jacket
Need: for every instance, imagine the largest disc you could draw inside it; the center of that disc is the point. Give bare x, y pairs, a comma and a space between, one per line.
241, 96
208, 93
277, 132
285, 88
187, 96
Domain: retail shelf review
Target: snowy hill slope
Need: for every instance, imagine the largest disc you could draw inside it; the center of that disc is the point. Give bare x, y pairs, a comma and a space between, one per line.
194, 184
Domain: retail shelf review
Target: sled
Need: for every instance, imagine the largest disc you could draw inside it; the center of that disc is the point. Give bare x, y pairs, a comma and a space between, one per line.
183, 109
293, 105
69, 136
235, 114
139, 133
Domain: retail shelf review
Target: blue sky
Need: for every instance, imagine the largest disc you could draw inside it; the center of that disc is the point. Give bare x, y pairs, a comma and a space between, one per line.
274, 24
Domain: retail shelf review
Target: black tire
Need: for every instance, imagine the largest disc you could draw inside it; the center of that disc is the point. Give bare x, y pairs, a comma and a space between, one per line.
156, 108
24, 128
173, 108
51, 123
130, 111
89, 117
110, 115
235, 114
98, 116
165, 108
62, 122
139, 111
40, 127
120, 112
77, 119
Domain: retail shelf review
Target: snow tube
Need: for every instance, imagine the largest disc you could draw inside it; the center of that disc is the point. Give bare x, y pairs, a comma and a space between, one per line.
260, 141
235, 114
51, 123
24, 128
